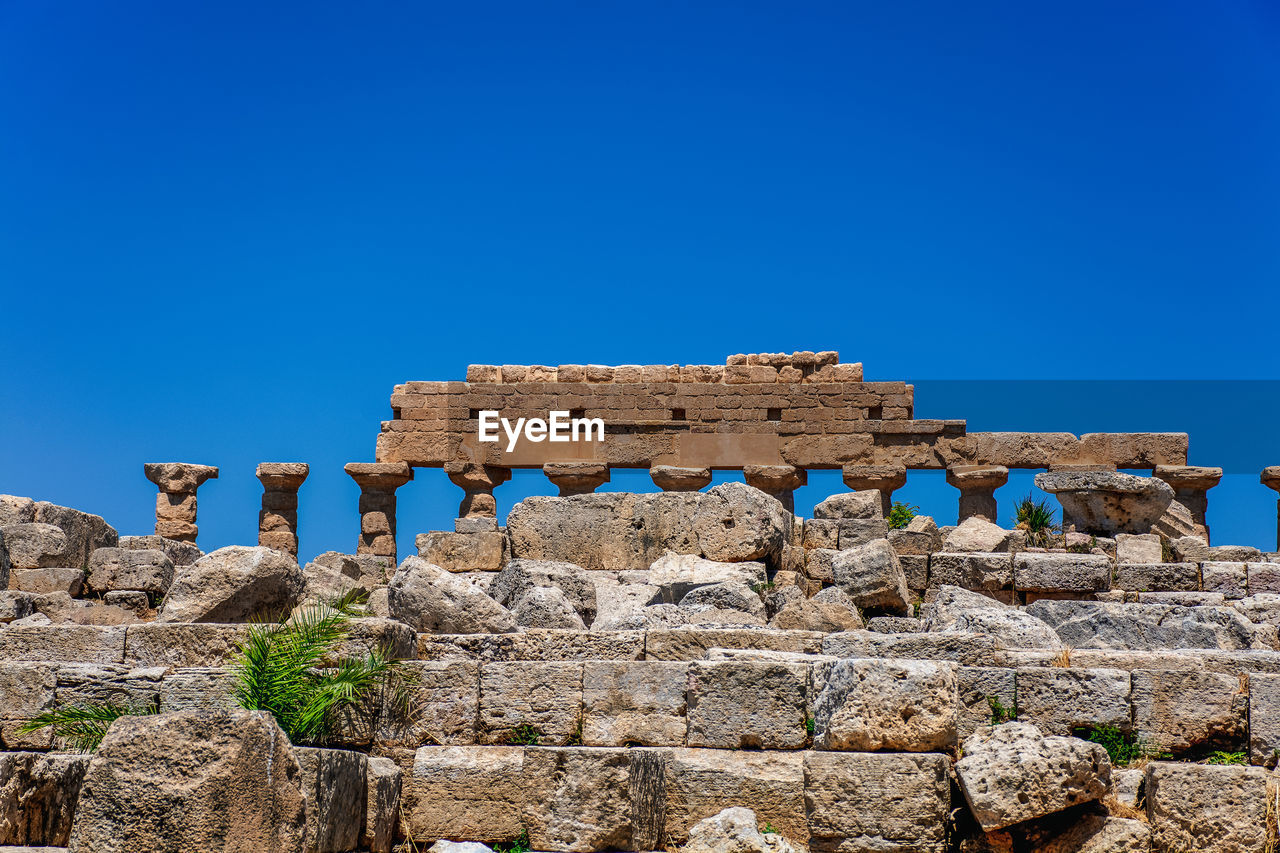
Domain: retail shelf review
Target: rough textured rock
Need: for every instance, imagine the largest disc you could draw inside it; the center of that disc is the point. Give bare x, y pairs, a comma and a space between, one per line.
38, 794
1139, 548
1012, 772
1060, 700
544, 697
521, 577
830, 610
747, 704
577, 799
725, 596
700, 783
734, 830
972, 570
896, 705
956, 609
382, 808
1061, 572
463, 552
1219, 808
84, 532
864, 504
633, 702
119, 568
911, 793
35, 546
1106, 625
179, 553
676, 575
1107, 502
476, 793
431, 600
368, 570
547, 607
1094, 833
872, 576
1176, 710
193, 780
234, 584
978, 534
335, 786
736, 522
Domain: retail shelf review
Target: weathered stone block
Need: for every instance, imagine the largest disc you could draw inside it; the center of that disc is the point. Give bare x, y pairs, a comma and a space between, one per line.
382, 806
872, 576
463, 552
121, 568
577, 799
634, 702
78, 643
234, 584
198, 688
1230, 579
1142, 548
1163, 577
1012, 773
691, 644
1062, 699
1218, 808
334, 783
81, 683
1061, 572
26, 690
702, 782
472, 793
748, 704
47, 580
1176, 710
964, 648
976, 688
972, 570
38, 795
863, 802
443, 706
873, 705
177, 645
544, 696
1264, 718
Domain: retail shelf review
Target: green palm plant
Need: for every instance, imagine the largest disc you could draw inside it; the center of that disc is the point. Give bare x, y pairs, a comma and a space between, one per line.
82, 726
1038, 518
281, 668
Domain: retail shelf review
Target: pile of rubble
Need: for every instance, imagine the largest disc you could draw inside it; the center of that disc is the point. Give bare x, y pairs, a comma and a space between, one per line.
689, 669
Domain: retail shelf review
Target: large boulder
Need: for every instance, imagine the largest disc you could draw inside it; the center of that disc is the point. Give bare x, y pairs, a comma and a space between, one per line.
1105, 503
676, 575
735, 830
179, 552
829, 611
335, 784
736, 522
977, 534
35, 546
84, 532
1147, 627
213, 781
956, 609
725, 596
431, 600
234, 584
148, 570
1219, 808
547, 607
521, 578
1012, 772
865, 504
872, 576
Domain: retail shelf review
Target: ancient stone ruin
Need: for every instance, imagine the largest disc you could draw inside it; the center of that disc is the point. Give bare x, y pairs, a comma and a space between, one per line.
693, 668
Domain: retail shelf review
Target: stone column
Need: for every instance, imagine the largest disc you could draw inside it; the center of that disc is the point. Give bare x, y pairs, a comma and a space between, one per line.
378, 482
478, 481
882, 478
1271, 479
1191, 485
278, 519
576, 478
977, 485
781, 481
671, 478
176, 503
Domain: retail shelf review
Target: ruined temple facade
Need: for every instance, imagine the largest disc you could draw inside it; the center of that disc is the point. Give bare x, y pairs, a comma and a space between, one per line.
772, 416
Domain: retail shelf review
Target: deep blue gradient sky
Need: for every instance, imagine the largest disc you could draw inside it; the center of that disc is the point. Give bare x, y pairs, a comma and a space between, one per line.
227, 229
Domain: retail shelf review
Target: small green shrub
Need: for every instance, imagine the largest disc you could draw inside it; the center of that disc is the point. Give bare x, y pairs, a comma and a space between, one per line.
1038, 518
809, 724
1000, 713
524, 735
518, 845
1219, 756
900, 515
82, 726
1123, 748
768, 829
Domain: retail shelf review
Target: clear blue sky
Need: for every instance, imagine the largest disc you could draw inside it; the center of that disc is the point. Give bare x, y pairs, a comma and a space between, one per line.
227, 229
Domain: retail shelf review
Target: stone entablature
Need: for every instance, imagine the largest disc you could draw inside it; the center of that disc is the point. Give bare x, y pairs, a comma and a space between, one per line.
804, 410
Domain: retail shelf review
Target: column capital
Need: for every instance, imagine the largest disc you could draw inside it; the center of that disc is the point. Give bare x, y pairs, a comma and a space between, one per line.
890, 477
1271, 477
1188, 477
379, 476
775, 478
975, 477
672, 478
576, 478
473, 476
282, 476
178, 477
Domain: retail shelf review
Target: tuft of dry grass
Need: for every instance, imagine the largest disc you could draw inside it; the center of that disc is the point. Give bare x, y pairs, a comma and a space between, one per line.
1118, 809
1062, 659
